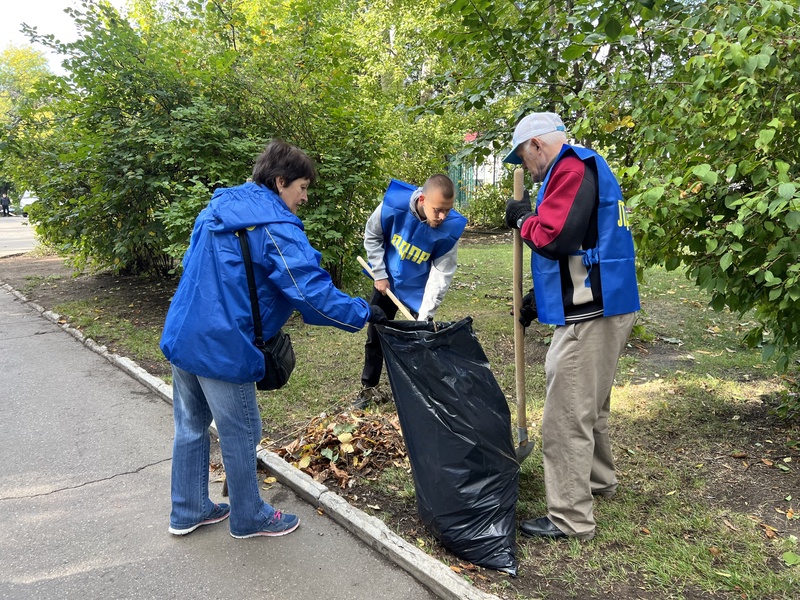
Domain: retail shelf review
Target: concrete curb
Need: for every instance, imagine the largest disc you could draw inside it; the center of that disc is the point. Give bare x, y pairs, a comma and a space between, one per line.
433, 574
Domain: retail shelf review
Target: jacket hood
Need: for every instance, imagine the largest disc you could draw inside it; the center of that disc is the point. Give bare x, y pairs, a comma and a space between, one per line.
247, 205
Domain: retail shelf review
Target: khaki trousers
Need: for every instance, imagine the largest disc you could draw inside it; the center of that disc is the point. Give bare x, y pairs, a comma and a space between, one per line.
580, 367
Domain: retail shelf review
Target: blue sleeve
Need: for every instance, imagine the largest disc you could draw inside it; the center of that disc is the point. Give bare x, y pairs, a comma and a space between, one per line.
306, 285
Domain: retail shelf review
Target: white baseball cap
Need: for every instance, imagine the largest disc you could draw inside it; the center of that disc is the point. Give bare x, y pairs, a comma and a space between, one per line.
534, 125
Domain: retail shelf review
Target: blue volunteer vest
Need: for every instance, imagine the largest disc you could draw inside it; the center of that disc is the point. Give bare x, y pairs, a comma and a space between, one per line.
614, 251
410, 245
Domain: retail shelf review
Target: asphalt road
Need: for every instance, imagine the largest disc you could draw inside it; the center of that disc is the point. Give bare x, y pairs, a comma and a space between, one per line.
16, 236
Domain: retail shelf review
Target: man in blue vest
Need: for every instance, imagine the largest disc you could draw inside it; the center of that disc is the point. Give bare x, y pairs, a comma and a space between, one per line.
411, 241
584, 283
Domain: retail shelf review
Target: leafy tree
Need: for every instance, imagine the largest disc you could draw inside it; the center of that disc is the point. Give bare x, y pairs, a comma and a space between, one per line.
128, 131
20, 70
161, 106
720, 158
695, 105
21, 67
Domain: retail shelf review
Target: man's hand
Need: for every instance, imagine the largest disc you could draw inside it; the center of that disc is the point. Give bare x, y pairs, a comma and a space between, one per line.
528, 312
518, 210
382, 285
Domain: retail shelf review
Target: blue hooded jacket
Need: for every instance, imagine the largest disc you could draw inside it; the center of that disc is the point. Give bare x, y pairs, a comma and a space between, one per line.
209, 326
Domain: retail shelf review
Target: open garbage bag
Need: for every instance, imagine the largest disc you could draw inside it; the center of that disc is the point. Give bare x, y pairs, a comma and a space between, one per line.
457, 429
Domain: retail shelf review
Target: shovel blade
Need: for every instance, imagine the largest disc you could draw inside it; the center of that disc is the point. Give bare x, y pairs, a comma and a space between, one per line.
524, 450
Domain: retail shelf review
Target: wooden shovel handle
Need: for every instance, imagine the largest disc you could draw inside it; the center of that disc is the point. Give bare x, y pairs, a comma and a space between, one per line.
519, 329
401, 307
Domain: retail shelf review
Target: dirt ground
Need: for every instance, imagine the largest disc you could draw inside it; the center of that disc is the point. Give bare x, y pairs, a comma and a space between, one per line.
47, 281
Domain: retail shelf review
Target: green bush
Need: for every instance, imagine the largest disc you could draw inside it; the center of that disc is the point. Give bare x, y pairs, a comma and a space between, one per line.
486, 206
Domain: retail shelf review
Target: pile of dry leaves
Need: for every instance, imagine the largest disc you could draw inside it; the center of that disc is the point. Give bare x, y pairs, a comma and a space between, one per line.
343, 447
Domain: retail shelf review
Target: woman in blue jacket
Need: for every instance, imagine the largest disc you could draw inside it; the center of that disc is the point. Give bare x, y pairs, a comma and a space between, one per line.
209, 335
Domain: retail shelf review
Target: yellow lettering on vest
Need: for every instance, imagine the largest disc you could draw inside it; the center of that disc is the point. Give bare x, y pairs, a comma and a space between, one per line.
409, 252
404, 249
398, 242
623, 215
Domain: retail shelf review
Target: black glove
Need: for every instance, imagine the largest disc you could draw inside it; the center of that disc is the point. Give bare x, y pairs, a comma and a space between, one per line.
528, 312
518, 210
376, 315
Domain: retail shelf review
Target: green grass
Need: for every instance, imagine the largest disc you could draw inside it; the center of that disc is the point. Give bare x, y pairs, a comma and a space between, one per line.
109, 324
35, 281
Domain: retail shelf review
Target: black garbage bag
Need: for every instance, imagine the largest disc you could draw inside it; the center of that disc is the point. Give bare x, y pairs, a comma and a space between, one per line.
457, 429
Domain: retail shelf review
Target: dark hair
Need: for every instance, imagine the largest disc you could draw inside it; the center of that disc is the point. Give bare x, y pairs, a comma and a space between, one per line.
280, 159
442, 183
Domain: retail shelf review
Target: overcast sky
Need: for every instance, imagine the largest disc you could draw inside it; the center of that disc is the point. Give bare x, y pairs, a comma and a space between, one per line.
47, 16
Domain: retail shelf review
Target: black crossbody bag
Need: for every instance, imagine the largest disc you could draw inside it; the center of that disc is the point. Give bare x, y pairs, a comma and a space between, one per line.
278, 352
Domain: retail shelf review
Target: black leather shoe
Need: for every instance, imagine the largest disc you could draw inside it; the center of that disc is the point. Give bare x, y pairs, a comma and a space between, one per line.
541, 527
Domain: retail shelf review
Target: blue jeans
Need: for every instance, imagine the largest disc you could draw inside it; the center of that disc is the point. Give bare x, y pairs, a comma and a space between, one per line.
196, 400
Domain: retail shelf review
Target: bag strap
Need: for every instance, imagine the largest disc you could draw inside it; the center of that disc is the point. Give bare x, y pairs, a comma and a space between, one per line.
251, 284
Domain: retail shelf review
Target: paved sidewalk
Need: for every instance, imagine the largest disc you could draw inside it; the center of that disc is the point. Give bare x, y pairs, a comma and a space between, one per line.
85, 439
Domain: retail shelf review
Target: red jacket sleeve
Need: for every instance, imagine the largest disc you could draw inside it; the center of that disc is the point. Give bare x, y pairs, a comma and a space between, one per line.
560, 224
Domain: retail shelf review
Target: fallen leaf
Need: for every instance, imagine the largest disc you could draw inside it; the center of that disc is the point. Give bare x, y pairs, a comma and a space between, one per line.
790, 514
729, 525
770, 532
340, 475
671, 493
738, 454
645, 530
269, 480
767, 462
373, 506
716, 552
455, 569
